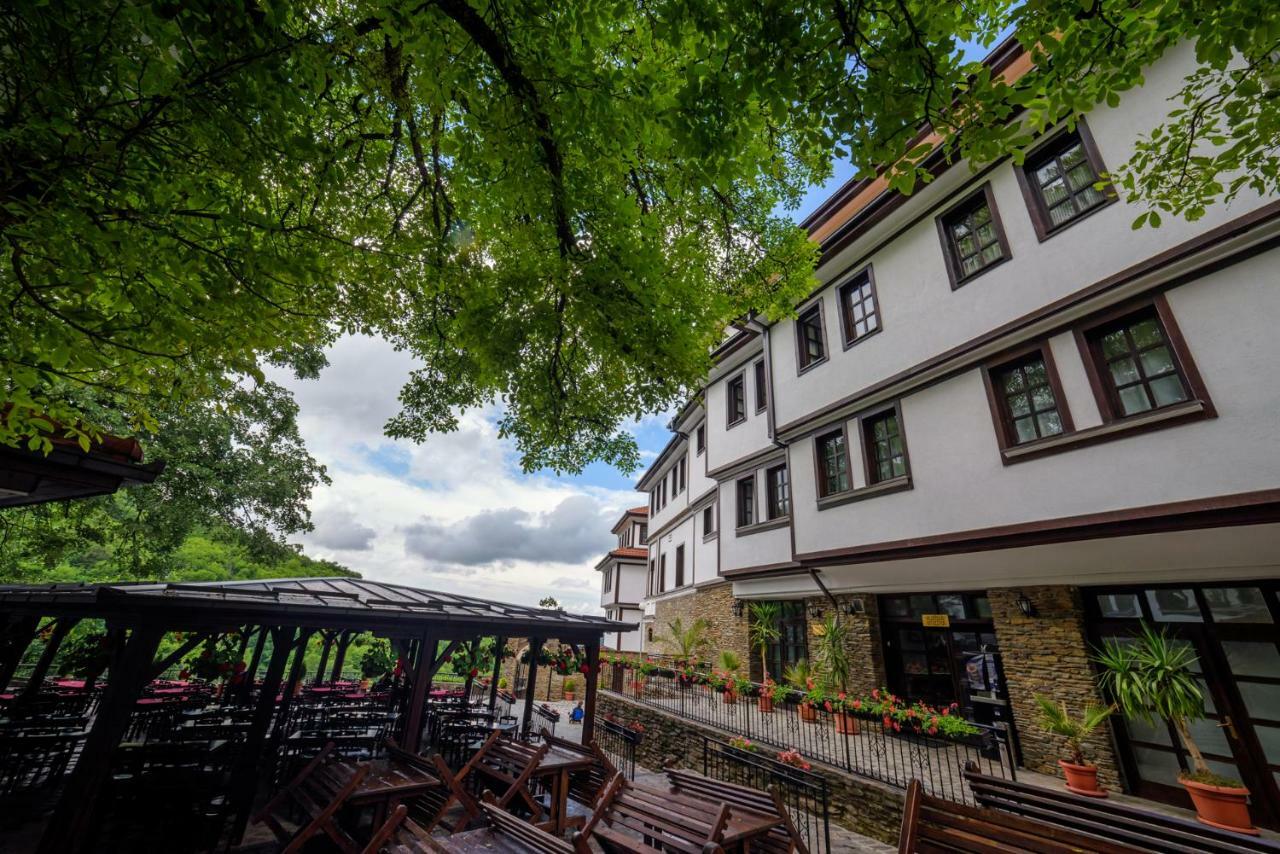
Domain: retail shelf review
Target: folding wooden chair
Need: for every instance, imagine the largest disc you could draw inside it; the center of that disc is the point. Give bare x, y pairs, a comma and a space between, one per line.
630, 818
782, 839
503, 832
318, 792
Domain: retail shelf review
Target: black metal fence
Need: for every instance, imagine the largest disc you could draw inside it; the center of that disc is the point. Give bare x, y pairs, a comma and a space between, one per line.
804, 793
619, 742
870, 748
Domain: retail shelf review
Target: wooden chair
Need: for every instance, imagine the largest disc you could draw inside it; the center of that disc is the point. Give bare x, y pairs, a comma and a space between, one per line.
1143, 829
781, 839
509, 764
502, 832
630, 818
932, 824
585, 787
318, 792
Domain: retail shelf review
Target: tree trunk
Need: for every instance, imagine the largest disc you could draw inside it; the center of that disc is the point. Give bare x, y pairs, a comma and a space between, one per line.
1199, 766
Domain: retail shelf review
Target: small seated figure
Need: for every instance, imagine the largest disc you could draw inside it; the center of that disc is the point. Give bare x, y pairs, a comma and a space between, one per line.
577, 714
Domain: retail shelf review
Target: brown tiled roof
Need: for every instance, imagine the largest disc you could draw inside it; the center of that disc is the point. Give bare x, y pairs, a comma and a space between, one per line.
629, 552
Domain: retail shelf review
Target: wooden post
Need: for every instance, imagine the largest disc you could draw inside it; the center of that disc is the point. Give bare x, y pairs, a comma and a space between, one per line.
526, 716
71, 828
324, 657
422, 675
16, 640
247, 775
251, 672
291, 684
589, 702
344, 641
499, 643
60, 630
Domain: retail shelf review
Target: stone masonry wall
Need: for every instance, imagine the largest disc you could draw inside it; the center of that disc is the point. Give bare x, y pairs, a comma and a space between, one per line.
1049, 654
866, 653
714, 604
863, 806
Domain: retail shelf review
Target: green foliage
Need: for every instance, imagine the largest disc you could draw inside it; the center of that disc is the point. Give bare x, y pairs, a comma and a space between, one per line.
84, 654
729, 661
548, 602
762, 629
1056, 719
832, 653
686, 642
378, 660
798, 675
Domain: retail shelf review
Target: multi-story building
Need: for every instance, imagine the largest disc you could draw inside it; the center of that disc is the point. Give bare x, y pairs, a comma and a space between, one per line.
622, 578
1005, 426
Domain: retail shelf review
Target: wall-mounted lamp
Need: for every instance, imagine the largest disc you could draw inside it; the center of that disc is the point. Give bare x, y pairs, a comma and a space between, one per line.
854, 606
1025, 605
815, 612
737, 608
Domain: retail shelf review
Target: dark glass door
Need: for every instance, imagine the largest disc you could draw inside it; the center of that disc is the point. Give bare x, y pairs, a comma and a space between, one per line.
1234, 629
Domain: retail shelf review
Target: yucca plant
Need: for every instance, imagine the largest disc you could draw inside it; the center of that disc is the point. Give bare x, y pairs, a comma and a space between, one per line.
1150, 678
686, 642
833, 653
797, 675
763, 630
729, 661
1056, 719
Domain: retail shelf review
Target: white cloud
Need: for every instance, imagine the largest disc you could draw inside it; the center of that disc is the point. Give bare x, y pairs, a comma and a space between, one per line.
338, 528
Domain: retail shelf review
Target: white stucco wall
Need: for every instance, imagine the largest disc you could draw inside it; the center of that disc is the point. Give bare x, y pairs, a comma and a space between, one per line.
725, 444
753, 549
682, 534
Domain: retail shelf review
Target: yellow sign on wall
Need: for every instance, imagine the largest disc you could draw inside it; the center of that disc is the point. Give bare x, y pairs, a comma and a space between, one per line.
935, 621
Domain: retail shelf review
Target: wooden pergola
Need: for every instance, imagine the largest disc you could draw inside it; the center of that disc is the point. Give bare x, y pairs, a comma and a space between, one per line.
290, 612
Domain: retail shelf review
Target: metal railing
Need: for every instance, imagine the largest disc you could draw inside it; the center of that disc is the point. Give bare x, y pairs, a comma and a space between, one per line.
620, 743
804, 793
869, 749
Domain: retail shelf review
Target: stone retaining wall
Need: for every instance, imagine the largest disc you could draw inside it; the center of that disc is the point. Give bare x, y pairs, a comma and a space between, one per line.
863, 806
713, 603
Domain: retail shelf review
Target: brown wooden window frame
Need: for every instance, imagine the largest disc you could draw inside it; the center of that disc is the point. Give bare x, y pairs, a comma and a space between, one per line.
1088, 339
946, 220
820, 469
738, 382
709, 521
848, 324
762, 388
700, 439
679, 566
866, 424
803, 362
745, 510
662, 573
1002, 416
1029, 184
653, 576
777, 492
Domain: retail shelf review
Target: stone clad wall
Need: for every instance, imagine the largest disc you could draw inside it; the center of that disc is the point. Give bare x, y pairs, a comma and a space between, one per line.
866, 652
1049, 654
863, 806
713, 603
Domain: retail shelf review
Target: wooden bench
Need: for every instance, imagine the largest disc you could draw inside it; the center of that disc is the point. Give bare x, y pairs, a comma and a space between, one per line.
502, 832
932, 824
631, 818
318, 792
780, 840
1143, 829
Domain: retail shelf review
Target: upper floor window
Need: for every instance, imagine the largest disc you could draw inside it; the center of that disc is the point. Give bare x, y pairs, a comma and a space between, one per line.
809, 337
709, 520
833, 463
662, 573
779, 492
736, 392
1058, 181
608, 580
762, 393
644, 533
746, 501
1029, 406
886, 452
972, 239
652, 576
680, 566
858, 310
700, 440
1138, 367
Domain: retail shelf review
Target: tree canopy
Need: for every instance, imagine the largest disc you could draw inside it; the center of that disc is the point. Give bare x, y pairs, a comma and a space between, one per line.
558, 206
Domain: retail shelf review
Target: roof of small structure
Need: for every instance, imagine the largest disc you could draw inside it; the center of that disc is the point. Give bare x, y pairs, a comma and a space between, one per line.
393, 610
68, 471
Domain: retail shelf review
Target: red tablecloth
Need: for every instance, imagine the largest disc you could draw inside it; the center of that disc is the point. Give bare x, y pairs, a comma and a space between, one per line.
77, 684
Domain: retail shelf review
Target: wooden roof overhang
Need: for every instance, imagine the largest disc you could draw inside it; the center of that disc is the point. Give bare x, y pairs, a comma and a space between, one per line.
388, 610
67, 471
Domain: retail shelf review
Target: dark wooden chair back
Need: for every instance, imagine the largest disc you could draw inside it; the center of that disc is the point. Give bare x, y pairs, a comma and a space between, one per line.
586, 786
932, 824
317, 793
781, 839
1143, 829
638, 819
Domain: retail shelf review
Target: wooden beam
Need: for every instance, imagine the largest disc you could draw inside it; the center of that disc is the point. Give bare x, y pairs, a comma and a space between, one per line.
245, 689
71, 828
589, 703
61, 628
248, 771
426, 669
189, 644
19, 636
291, 684
324, 657
343, 642
499, 643
535, 649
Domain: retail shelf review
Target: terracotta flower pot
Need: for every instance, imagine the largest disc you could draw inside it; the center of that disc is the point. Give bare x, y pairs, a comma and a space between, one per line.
1082, 779
846, 724
808, 713
1225, 807
766, 703
728, 697
570, 696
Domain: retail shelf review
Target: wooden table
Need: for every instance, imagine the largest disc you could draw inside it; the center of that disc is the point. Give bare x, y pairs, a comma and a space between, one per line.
387, 784
558, 764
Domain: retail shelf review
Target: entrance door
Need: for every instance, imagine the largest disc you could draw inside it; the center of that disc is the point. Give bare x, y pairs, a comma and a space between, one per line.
1235, 631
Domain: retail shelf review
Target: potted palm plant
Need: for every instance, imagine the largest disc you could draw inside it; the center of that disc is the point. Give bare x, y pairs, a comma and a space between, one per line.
1150, 677
833, 660
799, 678
763, 630
686, 643
730, 664
1082, 775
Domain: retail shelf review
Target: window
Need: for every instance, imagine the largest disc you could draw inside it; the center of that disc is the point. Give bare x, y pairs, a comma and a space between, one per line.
809, 338
779, 492
1138, 367
680, 566
684, 472
886, 453
608, 580
1027, 400
737, 400
652, 577
762, 392
662, 574
1058, 181
662, 494
709, 520
972, 239
701, 438
790, 645
746, 501
833, 463
858, 310
644, 533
